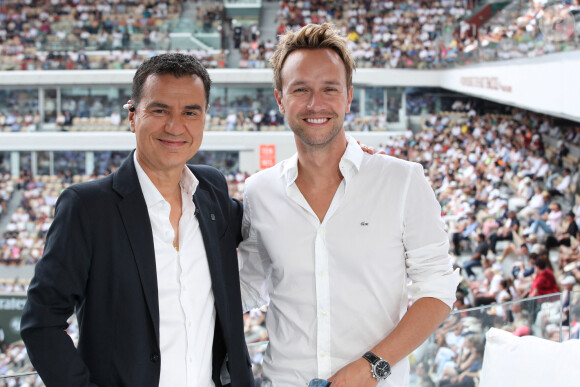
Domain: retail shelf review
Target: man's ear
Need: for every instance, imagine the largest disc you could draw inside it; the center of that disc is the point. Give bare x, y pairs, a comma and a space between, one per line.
278, 96
132, 121
349, 99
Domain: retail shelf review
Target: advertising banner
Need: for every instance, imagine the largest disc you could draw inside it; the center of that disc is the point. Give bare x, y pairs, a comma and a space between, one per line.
11, 306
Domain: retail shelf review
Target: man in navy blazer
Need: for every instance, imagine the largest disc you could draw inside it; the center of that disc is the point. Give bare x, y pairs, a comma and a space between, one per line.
142, 253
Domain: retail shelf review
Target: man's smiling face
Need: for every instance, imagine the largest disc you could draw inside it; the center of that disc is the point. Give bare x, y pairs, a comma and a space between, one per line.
314, 96
168, 122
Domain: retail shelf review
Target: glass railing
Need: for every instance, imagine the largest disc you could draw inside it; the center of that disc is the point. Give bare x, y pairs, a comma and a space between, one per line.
449, 346
242, 2
520, 31
21, 379
516, 31
553, 317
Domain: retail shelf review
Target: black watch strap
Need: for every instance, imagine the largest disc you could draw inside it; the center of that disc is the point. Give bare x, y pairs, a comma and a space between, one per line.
371, 357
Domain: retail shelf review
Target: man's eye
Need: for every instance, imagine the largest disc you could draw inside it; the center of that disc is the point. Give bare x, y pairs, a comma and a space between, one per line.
192, 113
158, 111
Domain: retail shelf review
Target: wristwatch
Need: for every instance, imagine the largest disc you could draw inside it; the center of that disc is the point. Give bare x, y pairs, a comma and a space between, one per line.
380, 368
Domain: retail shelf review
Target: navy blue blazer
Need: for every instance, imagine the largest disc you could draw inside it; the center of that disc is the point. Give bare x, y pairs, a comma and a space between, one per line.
99, 260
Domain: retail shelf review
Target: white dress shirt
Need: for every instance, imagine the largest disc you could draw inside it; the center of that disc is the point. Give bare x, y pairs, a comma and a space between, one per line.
338, 287
565, 183
186, 301
536, 202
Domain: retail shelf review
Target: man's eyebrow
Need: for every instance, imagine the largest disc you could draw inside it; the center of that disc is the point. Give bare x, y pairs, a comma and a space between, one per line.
156, 105
331, 82
153, 105
193, 107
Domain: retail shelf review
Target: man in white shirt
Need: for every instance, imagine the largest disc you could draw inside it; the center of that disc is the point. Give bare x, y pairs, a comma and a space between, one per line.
563, 184
332, 234
146, 257
536, 202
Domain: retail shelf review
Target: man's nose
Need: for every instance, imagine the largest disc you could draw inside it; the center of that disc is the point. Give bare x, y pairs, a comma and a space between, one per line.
315, 101
175, 125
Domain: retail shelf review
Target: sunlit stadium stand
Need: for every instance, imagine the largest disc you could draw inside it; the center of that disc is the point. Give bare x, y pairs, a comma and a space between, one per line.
466, 88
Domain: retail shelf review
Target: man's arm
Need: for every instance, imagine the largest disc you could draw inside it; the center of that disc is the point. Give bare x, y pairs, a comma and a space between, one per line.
433, 282
476, 256
255, 266
422, 318
58, 284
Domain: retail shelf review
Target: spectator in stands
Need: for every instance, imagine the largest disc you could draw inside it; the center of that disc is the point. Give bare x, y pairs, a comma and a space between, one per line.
231, 121
539, 200
567, 284
549, 223
544, 281
115, 118
464, 231
563, 184
486, 293
543, 170
468, 369
144, 209
562, 237
567, 255
257, 120
505, 232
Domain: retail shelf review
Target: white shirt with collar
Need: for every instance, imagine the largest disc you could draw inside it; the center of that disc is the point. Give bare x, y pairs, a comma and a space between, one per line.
338, 287
186, 302
564, 184
543, 170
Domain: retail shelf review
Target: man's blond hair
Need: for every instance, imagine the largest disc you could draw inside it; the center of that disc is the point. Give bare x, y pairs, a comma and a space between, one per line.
311, 37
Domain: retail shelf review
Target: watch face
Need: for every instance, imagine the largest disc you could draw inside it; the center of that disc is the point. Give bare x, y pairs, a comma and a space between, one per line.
382, 369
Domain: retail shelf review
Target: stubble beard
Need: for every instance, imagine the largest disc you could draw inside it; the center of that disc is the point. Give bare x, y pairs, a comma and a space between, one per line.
315, 141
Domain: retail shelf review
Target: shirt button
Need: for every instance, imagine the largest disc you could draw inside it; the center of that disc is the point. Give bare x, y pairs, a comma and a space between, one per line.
154, 357
323, 354
323, 313
321, 273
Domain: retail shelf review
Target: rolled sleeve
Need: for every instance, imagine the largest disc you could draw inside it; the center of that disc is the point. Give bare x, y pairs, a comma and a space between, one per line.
426, 243
432, 275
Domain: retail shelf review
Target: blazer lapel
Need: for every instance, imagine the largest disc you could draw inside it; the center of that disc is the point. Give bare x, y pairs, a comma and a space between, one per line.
133, 210
206, 219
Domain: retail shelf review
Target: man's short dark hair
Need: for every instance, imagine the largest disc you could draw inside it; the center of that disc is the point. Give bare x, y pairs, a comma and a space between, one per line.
176, 64
541, 263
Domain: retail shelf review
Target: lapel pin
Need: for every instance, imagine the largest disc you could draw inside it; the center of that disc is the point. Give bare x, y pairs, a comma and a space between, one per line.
212, 216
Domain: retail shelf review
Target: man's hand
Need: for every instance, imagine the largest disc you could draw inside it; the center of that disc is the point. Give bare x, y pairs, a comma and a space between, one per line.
369, 149
357, 373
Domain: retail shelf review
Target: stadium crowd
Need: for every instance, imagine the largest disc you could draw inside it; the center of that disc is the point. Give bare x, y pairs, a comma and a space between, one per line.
41, 35
494, 175
509, 196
